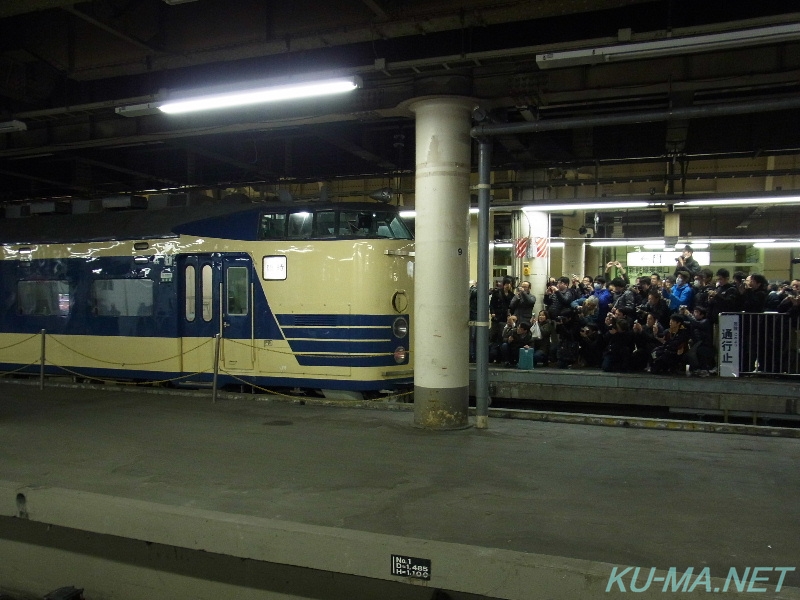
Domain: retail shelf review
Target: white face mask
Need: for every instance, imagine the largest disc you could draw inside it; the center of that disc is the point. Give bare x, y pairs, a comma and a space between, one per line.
679, 281
597, 286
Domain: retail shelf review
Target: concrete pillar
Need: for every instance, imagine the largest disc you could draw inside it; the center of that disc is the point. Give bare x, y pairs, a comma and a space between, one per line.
538, 265
441, 273
672, 225
574, 257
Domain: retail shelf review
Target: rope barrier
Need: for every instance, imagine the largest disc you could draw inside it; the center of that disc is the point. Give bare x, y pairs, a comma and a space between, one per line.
248, 345
129, 364
268, 391
132, 383
4, 373
35, 335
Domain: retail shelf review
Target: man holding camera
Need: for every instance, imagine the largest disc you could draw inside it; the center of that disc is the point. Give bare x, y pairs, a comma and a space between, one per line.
686, 262
521, 305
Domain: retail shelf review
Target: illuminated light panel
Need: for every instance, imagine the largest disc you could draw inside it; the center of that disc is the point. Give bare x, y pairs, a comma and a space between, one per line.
274, 93
738, 201
586, 206
764, 244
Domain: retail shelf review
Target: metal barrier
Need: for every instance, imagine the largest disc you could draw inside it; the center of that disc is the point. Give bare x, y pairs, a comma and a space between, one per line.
758, 343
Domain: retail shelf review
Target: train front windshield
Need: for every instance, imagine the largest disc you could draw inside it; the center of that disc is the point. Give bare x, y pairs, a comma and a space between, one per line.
332, 224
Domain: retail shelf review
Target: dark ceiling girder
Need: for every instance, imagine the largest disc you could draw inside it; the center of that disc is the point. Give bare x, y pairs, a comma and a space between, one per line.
635, 118
246, 167
118, 169
109, 29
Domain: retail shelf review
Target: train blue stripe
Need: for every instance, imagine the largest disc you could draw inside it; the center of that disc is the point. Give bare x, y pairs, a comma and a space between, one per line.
330, 333
342, 347
338, 320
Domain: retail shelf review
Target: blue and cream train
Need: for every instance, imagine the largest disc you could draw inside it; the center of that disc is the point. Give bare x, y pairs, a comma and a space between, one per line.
317, 296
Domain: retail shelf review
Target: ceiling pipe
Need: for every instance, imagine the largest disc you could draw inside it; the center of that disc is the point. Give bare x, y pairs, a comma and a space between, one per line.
687, 112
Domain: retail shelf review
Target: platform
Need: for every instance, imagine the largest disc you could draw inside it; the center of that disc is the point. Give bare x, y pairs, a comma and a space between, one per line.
133, 494
754, 397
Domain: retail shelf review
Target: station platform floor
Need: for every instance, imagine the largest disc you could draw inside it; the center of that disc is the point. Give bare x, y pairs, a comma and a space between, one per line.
523, 509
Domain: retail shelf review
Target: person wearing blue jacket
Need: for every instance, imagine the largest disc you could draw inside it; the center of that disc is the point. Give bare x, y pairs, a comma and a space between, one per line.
678, 293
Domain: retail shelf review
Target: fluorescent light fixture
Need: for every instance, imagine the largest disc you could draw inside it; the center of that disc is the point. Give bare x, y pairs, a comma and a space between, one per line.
474, 210
671, 47
739, 201
407, 214
584, 206
556, 244
14, 125
613, 243
273, 93
678, 246
741, 241
794, 244
503, 245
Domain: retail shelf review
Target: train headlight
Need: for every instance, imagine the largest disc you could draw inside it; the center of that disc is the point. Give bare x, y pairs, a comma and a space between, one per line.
400, 327
400, 355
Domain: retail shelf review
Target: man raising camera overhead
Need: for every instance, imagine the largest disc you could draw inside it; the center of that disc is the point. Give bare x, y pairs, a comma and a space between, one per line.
686, 262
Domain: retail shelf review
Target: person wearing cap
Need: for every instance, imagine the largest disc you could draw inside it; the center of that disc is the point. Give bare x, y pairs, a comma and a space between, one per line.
686, 262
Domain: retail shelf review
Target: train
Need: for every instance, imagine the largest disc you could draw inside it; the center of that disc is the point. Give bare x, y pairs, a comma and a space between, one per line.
315, 296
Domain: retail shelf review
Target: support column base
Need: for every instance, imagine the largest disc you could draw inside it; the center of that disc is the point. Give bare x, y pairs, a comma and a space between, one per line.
442, 409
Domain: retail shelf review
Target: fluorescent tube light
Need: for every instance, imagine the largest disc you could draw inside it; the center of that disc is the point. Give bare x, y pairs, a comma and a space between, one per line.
503, 245
584, 206
407, 214
795, 244
272, 93
738, 201
671, 46
556, 244
612, 243
14, 125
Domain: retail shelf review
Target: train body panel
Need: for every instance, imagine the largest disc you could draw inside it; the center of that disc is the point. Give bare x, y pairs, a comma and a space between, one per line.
324, 313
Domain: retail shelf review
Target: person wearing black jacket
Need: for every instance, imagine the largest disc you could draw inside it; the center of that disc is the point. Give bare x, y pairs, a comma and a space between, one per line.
559, 298
755, 296
725, 297
499, 305
671, 354
686, 262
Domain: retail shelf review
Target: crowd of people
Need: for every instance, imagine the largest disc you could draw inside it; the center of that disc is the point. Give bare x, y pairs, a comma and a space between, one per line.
652, 324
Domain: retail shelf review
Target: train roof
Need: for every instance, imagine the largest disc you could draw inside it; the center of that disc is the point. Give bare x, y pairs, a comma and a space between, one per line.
236, 220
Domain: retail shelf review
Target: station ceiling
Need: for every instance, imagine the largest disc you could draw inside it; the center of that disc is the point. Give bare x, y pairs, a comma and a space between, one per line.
66, 68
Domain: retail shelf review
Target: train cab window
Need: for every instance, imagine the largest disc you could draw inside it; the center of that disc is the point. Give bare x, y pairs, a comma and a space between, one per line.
207, 292
273, 226
325, 224
122, 297
237, 291
191, 296
300, 226
43, 298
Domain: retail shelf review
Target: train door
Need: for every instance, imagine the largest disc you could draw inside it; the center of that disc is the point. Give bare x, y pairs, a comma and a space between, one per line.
238, 351
198, 312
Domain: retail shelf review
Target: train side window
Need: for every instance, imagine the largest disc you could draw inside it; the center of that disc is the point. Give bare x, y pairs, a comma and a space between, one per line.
237, 291
357, 224
48, 297
207, 292
300, 226
191, 295
273, 226
325, 224
122, 297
